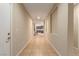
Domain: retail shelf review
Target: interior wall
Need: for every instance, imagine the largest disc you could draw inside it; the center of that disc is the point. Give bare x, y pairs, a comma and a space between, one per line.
70, 29
76, 11
59, 29
47, 27
78, 26
21, 28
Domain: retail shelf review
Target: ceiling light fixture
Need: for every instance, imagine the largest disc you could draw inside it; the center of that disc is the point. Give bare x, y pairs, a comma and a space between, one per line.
38, 17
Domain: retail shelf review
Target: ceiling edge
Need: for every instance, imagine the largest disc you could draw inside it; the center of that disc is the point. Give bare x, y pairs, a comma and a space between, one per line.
52, 10
27, 11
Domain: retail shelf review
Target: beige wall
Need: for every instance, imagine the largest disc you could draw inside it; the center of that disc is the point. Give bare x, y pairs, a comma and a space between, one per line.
76, 26
58, 37
47, 27
21, 28
60, 29
48, 24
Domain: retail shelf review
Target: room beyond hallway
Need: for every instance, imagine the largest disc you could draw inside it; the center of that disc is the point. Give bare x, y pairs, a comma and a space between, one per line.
39, 46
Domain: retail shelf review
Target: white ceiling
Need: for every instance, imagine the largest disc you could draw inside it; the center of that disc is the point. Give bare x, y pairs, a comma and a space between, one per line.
38, 9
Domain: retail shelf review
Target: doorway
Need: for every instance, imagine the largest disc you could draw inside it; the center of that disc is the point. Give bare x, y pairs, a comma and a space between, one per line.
39, 28
5, 39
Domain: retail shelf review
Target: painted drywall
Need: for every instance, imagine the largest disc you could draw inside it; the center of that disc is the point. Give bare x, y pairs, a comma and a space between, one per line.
76, 26
48, 24
21, 28
58, 36
47, 27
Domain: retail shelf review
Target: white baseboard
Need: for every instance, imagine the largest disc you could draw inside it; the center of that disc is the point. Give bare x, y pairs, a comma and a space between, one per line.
23, 48
54, 48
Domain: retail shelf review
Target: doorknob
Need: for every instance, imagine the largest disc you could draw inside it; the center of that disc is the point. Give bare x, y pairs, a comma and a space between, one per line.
8, 33
8, 39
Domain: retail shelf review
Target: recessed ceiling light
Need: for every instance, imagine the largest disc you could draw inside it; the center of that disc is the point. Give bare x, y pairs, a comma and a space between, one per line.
38, 17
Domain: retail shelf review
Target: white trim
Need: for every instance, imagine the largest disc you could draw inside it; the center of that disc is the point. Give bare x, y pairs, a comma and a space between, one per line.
54, 48
23, 47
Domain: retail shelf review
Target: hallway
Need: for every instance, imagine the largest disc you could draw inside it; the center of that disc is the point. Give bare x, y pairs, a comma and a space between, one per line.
39, 46
23, 23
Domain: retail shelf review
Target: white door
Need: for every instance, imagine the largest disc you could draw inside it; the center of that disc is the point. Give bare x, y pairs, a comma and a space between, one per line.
4, 29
